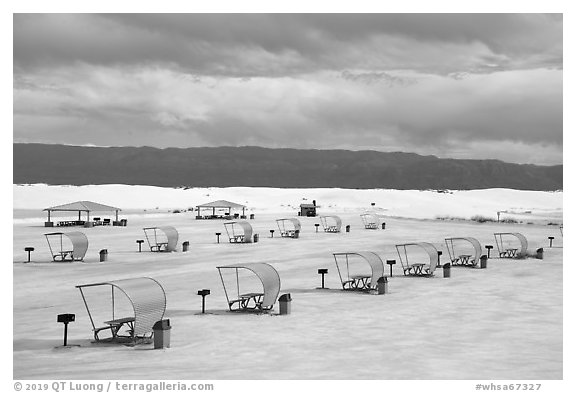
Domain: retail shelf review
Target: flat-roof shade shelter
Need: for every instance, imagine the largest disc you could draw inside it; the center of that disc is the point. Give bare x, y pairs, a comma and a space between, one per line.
288, 227
508, 242
161, 239
220, 204
354, 275
147, 303
67, 247
81, 207
331, 223
420, 267
370, 220
464, 251
239, 231
263, 300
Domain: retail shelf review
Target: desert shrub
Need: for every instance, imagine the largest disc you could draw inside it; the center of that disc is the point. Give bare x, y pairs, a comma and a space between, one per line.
481, 219
509, 221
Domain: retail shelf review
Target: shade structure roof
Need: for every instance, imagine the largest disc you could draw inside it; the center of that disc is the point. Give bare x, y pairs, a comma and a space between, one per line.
78, 239
500, 242
452, 242
84, 206
222, 204
268, 276
373, 260
246, 230
427, 247
147, 297
170, 233
294, 221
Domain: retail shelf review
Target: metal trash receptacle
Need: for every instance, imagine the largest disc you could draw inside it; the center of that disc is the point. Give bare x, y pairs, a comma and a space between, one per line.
256, 237
382, 285
185, 246
162, 334
103, 255
347, 228
540, 253
285, 304
446, 269
296, 233
483, 261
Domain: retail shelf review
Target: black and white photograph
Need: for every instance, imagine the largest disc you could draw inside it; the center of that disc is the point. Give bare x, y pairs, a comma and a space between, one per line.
207, 197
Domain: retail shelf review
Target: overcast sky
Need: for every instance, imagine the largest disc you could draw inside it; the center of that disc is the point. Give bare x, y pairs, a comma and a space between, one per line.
451, 85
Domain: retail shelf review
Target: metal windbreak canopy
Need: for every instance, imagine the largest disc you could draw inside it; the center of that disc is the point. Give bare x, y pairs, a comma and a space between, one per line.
161, 239
239, 231
331, 223
350, 278
288, 230
269, 279
370, 220
73, 249
421, 268
507, 243
462, 249
145, 296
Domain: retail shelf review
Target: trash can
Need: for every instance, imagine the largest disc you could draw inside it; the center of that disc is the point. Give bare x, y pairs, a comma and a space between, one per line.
88, 224
285, 306
540, 253
162, 334
382, 285
256, 237
48, 224
251, 216
347, 228
383, 225
296, 233
483, 261
185, 246
124, 222
103, 255
446, 268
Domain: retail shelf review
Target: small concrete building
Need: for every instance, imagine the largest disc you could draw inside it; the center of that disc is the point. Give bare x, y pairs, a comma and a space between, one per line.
308, 209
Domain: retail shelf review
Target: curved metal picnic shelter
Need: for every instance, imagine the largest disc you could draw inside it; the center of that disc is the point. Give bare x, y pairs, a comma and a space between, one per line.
370, 220
161, 239
238, 231
464, 251
72, 249
79, 207
424, 267
508, 242
148, 305
288, 226
359, 280
331, 224
262, 301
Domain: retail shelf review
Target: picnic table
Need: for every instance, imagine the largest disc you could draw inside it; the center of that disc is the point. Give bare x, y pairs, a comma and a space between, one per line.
245, 299
360, 281
463, 260
237, 239
509, 253
69, 223
158, 247
415, 269
115, 325
332, 229
63, 256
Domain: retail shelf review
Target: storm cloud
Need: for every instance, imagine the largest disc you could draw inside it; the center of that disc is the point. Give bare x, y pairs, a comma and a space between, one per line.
454, 85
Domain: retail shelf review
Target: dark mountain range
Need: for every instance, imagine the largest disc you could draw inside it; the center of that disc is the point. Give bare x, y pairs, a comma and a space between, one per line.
263, 167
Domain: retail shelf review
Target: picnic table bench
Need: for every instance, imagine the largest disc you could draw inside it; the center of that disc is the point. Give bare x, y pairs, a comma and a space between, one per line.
115, 325
288, 233
508, 253
371, 225
331, 229
244, 301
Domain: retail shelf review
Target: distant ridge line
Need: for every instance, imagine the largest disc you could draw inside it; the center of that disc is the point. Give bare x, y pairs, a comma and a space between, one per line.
252, 166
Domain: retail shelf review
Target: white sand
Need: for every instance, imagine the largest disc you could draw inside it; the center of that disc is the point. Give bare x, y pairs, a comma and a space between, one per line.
504, 322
